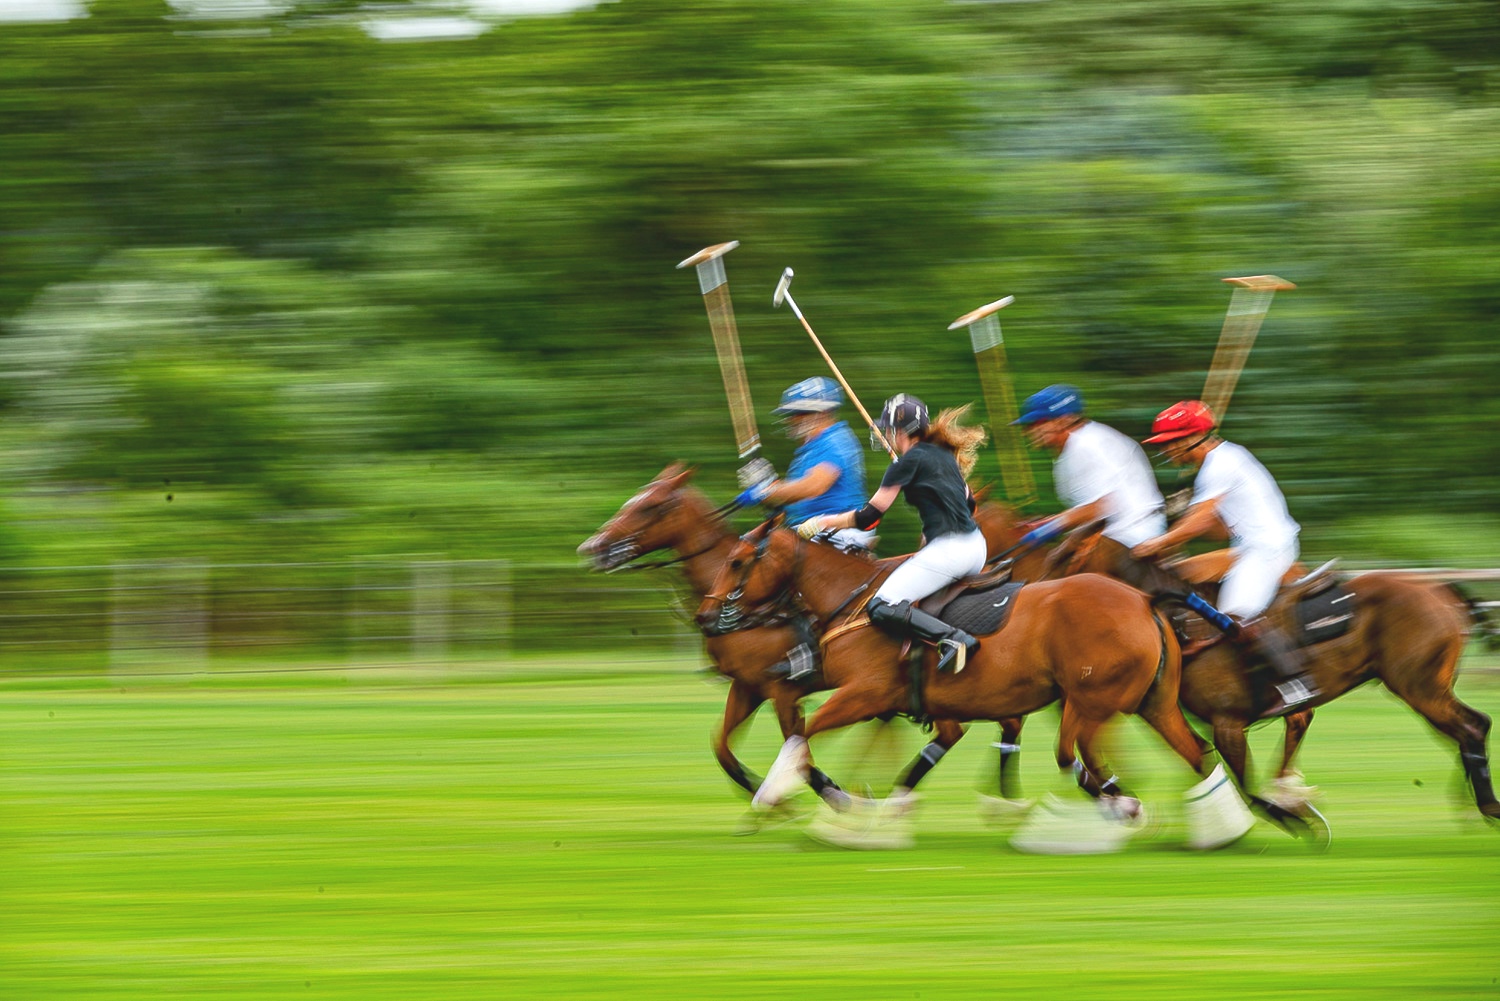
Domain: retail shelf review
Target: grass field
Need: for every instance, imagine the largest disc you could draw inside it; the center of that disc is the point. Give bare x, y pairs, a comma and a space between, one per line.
565, 834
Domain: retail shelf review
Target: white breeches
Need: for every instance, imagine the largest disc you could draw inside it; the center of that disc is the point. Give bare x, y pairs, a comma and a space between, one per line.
853, 538
1251, 583
937, 564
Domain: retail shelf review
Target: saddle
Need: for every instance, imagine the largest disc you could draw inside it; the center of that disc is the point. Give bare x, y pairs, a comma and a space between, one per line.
979, 605
1311, 609
1315, 608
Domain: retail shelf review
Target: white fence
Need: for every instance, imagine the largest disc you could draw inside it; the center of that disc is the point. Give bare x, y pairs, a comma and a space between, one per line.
174, 615
181, 615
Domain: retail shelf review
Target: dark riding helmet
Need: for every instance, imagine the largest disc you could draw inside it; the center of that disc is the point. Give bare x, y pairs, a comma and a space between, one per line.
901, 412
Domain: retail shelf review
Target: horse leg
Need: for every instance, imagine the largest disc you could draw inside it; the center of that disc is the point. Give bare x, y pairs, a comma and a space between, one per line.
1118, 804
1287, 788
1296, 729
948, 733
847, 706
1089, 770
1068, 730
1234, 749
1164, 715
789, 715
742, 702
1009, 746
1464, 725
1007, 807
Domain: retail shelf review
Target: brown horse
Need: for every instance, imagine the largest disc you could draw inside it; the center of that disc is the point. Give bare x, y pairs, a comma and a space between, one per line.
669, 514
1095, 643
1408, 634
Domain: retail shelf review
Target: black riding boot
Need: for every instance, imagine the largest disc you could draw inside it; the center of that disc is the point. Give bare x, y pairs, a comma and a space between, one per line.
1295, 688
904, 619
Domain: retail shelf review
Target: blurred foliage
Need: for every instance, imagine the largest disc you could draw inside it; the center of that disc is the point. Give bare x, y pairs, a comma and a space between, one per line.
334, 295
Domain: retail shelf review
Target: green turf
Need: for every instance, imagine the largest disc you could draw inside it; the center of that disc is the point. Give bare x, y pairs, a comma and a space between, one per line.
361, 836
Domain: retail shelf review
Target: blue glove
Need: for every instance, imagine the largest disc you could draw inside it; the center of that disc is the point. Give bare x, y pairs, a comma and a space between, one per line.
1045, 532
754, 495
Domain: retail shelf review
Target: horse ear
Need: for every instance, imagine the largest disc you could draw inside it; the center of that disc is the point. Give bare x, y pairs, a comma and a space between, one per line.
983, 493
678, 474
777, 520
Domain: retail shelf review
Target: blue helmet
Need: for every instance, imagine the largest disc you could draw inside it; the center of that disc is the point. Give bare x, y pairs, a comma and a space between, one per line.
817, 395
1054, 401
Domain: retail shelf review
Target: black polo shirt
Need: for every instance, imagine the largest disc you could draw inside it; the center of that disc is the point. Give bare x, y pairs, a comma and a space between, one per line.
931, 482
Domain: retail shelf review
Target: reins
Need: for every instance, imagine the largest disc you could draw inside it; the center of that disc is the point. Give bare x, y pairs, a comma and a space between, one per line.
719, 513
783, 609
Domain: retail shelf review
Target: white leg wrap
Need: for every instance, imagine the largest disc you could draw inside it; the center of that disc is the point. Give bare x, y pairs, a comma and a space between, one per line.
788, 772
1216, 815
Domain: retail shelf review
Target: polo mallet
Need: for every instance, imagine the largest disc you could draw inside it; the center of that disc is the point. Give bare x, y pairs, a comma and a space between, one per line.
783, 293
715, 288
999, 397
1247, 308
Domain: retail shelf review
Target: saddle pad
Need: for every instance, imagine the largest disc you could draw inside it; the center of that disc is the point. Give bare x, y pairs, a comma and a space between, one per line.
1324, 614
983, 612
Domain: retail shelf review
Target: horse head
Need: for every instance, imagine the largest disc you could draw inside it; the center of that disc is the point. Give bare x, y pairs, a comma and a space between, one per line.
752, 578
662, 515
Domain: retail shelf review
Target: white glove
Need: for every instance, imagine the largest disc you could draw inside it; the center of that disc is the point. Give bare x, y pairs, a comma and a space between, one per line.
756, 471
810, 527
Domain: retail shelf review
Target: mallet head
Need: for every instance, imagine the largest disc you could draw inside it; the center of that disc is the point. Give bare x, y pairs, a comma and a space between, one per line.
781, 288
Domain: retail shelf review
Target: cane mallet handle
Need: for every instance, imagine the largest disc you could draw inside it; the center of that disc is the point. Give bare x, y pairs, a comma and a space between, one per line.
999, 397
784, 294
714, 285
1248, 305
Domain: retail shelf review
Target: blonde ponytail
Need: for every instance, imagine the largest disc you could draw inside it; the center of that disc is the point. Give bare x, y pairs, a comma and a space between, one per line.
960, 439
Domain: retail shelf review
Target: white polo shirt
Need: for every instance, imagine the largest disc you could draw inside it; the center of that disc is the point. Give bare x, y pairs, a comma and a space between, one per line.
1250, 503
1099, 462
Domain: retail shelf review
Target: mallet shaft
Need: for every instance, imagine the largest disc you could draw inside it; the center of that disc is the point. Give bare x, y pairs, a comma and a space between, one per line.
840, 376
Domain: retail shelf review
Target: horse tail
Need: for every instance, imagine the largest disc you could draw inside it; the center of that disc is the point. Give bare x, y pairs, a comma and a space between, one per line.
1484, 623
1168, 640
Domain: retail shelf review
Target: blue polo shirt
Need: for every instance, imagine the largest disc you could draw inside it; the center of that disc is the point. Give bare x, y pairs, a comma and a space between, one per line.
838, 447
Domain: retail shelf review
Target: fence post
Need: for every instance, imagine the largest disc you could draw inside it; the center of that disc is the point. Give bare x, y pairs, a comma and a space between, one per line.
430, 601
158, 616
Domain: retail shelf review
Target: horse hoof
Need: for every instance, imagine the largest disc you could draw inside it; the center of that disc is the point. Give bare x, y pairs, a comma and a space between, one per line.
755, 821
1318, 833
997, 811
1290, 792
867, 825
1130, 813
1056, 827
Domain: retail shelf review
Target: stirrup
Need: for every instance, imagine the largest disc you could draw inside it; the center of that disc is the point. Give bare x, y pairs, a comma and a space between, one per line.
955, 655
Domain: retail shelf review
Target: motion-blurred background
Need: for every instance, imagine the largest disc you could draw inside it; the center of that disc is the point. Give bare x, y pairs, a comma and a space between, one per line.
369, 292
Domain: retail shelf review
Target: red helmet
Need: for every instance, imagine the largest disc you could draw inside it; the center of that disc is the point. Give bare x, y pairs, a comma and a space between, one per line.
1180, 420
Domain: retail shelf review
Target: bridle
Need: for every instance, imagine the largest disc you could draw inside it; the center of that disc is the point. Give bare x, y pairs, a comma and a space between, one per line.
733, 619
785, 608
629, 546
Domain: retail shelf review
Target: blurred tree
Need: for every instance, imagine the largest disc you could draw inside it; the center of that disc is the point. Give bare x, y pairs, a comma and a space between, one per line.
424, 291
